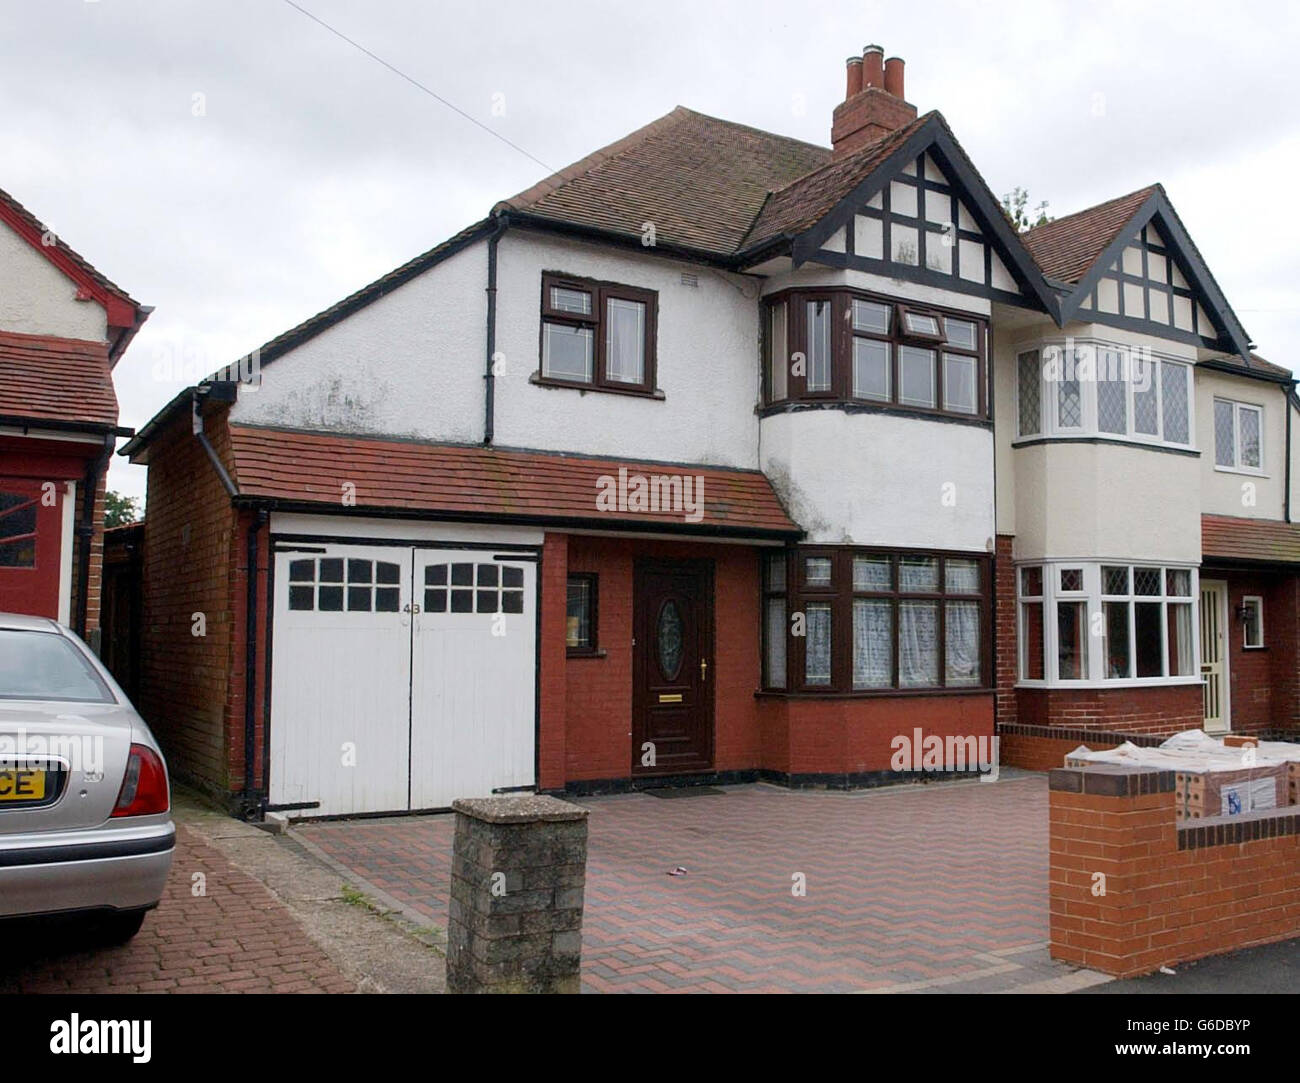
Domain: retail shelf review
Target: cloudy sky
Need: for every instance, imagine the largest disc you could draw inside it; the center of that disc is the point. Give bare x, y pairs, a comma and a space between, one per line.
238, 167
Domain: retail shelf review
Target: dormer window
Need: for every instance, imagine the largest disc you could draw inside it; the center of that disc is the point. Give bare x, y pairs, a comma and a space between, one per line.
844, 346
598, 335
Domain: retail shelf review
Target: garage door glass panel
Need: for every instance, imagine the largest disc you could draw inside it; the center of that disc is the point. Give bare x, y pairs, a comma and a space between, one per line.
17, 530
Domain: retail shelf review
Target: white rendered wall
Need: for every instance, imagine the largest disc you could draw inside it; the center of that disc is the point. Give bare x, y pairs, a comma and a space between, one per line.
1242, 493
36, 298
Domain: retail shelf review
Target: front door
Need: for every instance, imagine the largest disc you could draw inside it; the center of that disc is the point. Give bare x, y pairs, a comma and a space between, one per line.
673, 670
1214, 655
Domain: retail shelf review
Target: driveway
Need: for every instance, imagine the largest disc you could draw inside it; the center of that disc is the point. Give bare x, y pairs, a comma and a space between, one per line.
938, 887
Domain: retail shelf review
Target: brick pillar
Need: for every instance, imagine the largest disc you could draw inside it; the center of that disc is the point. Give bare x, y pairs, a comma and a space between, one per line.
519, 867
1004, 646
554, 664
1117, 822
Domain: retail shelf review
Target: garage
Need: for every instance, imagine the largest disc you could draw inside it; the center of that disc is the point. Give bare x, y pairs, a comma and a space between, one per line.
403, 675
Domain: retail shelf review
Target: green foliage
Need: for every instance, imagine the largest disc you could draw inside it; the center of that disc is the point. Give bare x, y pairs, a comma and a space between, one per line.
1015, 205
120, 510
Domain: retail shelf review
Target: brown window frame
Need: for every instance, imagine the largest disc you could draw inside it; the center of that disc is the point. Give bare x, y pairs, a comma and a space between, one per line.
601, 293
840, 593
843, 336
592, 648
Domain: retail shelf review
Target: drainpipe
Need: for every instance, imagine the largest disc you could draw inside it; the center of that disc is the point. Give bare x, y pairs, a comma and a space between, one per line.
489, 377
196, 425
250, 665
85, 532
1287, 392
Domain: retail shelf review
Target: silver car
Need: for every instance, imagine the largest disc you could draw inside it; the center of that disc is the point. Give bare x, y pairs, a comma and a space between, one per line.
85, 802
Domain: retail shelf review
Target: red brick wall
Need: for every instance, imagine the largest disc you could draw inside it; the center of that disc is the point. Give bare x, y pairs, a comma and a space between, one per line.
1004, 616
1155, 710
553, 705
1263, 682
1163, 904
95, 580
189, 551
236, 687
807, 735
598, 719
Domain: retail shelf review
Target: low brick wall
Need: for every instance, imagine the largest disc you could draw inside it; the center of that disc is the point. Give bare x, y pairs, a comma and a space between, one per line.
1042, 748
1131, 890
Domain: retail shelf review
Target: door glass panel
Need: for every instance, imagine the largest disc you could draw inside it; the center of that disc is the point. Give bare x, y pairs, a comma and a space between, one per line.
671, 645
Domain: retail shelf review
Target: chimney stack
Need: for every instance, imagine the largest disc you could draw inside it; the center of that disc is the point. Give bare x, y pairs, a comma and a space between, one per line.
873, 104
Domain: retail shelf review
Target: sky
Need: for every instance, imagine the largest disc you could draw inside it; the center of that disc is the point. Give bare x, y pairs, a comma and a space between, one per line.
238, 167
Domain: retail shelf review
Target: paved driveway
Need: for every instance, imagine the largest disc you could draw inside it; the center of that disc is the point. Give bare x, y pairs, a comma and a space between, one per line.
919, 888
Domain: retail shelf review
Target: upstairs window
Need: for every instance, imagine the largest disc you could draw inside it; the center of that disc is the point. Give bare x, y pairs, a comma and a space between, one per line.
1095, 389
597, 334
1238, 436
846, 346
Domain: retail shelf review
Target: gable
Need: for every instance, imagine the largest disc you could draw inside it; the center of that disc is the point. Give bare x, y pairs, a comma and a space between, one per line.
36, 298
924, 214
1149, 277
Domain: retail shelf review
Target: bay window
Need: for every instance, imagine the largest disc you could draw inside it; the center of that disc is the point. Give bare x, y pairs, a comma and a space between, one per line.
847, 346
862, 621
1098, 623
1098, 389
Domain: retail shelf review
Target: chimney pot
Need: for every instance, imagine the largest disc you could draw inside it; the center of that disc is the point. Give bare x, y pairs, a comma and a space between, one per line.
873, 57
894, 77
855, 76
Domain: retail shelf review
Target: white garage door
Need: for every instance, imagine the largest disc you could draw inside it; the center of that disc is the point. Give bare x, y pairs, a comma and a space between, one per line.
401, 677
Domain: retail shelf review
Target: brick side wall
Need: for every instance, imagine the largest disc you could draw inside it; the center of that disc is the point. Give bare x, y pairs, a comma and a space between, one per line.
1152, 710
95, 579
184, 678
1004, 615
236, 687
1263, 683
554, 670
1171, 894
1036, 748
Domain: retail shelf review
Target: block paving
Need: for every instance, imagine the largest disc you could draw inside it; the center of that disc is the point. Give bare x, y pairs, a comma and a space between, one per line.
924, 888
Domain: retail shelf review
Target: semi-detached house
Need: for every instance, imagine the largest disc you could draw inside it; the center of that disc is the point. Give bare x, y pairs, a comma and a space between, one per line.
719, 456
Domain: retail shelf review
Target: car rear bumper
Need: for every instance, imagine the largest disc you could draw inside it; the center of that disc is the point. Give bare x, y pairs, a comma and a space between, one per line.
118, 871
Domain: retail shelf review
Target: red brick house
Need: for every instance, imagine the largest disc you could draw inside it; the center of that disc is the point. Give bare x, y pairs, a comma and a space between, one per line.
63, 326
639, 481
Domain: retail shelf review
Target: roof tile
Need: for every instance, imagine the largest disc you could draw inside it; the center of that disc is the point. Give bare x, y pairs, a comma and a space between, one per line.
1259, 540
56, 379
1065, 249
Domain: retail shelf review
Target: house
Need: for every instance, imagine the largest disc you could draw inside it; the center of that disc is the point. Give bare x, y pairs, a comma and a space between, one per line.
63, 326
720, 456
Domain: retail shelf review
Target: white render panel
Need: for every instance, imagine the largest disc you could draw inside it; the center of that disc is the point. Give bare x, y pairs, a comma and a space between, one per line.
811, 275
878, 479
36, 298
1080, 501
1233, 492
835, 242
708, 361
868, 237
409, 364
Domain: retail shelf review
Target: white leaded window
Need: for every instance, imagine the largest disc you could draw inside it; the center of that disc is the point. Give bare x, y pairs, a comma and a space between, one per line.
1087, 389
1103, 623
1238, 436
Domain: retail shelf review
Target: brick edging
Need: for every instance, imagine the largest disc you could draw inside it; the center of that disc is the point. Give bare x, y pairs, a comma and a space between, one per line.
1083, 736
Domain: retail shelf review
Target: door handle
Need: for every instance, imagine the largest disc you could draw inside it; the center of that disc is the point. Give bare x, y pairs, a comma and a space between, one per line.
704, 669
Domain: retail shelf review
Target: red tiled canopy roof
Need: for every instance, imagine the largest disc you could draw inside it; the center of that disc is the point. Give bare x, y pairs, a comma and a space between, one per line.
454, 480
1259, 540
56, 379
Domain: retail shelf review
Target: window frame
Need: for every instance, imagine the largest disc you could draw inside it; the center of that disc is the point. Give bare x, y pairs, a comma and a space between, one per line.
1089, 428
1095, 598
843, 337
598, 322
592, 648
841, 593
1246, 645
1237, 466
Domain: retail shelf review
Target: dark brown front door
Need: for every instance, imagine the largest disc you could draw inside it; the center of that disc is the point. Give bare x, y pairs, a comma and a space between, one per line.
672, 667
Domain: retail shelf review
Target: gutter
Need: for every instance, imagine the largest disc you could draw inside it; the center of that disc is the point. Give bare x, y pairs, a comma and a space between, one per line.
85, 530
489, 376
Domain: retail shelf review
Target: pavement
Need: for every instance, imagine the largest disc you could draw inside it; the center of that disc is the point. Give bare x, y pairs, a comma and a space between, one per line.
243, 912
919, 888
1270, 968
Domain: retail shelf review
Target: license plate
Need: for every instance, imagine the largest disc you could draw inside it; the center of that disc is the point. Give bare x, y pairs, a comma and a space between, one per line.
22, 785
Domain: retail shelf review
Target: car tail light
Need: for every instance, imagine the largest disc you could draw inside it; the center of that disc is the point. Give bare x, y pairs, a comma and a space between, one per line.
144, 789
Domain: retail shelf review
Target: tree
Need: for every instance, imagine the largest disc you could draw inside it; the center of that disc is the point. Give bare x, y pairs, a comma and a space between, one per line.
120, 510
1015, 206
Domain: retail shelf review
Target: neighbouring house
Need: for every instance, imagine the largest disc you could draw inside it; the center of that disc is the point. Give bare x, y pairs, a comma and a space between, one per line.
722, 456
63, 326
